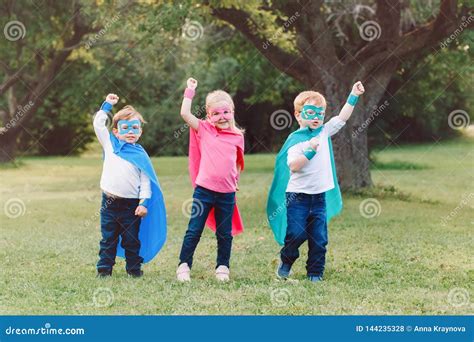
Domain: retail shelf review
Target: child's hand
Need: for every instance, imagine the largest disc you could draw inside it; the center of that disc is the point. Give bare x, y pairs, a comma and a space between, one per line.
314, 143
192, 83
112, 99
358, 88
141, 211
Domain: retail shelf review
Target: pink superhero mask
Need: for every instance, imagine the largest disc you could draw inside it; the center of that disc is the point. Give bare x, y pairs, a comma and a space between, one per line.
221, 113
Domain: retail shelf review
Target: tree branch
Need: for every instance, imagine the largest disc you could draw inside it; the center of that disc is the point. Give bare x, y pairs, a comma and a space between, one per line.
315, 40
9, 81
35, 97
416, 42
291, 64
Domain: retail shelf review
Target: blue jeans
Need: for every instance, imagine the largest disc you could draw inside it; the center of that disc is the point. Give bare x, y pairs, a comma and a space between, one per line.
306, 216
203, 201
117, 219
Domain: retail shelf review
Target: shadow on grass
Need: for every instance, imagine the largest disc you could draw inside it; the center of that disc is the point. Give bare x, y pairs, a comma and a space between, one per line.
396, 165
387, 192
16, 164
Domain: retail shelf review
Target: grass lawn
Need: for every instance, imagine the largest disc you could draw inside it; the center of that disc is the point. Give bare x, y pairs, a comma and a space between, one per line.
407, 259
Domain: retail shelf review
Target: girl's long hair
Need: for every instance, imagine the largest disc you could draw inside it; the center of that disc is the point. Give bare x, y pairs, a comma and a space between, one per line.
221, 96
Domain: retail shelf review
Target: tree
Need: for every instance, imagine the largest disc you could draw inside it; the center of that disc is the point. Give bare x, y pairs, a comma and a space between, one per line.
319, 61
30, 68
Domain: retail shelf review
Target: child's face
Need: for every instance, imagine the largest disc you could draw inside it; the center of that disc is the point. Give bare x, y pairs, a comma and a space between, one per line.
129, 130
311, 123
220, 114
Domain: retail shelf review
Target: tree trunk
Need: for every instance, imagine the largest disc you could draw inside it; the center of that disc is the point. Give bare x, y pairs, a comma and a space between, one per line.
351, 152
7, 148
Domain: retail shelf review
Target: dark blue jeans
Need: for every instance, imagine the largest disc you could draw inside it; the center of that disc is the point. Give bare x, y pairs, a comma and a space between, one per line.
203, 201
117, 219
306, 221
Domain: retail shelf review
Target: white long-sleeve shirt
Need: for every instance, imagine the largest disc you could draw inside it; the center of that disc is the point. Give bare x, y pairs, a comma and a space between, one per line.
316, 176
119, 177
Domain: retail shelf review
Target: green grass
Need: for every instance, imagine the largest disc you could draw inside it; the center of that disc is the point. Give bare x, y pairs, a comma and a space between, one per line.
406, 260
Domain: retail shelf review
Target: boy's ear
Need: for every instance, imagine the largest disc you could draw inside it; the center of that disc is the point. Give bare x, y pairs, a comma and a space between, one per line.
115, 131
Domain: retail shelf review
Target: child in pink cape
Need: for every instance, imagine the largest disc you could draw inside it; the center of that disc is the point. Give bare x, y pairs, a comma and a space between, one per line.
216, 157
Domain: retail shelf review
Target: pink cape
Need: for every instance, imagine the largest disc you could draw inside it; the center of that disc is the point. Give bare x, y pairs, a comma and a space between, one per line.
194, 161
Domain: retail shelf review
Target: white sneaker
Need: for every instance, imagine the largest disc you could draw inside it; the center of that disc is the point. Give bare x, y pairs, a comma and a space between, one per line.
222, 273
183, 273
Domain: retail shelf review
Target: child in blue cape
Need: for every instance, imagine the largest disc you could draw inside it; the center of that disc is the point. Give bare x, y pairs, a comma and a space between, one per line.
133, 214
305, 193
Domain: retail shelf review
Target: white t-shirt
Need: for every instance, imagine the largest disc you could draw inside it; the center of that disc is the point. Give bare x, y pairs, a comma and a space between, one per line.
316, 176
119, 177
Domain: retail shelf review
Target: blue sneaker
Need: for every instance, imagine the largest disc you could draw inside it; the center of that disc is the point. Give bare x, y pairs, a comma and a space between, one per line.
283, 270
315, 279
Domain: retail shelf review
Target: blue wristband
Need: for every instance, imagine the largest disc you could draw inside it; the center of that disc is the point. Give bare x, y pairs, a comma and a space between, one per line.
106, 107
309, 153
352, 99
144, 202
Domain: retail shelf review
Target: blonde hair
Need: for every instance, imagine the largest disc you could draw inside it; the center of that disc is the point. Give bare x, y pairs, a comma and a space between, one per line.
126, 113
217, 96
306, 96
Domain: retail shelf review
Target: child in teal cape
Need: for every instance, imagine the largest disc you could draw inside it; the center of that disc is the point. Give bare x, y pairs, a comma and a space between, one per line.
305, 193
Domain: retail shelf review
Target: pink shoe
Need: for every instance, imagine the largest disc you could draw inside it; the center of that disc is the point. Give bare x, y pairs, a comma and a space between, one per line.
183, 273
222, 273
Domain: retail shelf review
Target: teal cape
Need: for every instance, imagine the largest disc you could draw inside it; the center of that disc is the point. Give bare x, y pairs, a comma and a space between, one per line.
276, 204
152, 234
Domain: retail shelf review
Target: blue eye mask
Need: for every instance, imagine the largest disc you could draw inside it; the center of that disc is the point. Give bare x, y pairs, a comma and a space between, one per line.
311, 112
125, 126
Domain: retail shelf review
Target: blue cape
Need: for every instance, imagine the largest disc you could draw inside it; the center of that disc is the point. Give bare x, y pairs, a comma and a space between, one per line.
276, 204
153, 226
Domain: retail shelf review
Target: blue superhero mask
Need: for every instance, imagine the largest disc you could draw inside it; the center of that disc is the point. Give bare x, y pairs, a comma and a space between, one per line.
125, 126
311, 112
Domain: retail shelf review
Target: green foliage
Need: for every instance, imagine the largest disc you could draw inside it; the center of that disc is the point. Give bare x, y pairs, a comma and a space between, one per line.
425, 93
146, 54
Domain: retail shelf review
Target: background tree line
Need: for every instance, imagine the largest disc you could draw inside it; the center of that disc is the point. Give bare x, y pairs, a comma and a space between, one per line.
75, 52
